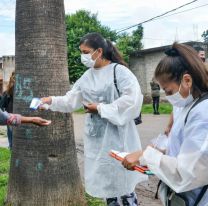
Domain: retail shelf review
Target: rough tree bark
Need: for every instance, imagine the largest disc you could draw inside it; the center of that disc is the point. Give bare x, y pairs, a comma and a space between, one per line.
44, 170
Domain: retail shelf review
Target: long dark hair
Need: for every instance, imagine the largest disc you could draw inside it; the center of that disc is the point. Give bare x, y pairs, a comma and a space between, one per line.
110, 52
10, 87
181, 59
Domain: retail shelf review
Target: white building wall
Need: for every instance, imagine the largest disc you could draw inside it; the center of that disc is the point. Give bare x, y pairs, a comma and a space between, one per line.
8, 68
143, 68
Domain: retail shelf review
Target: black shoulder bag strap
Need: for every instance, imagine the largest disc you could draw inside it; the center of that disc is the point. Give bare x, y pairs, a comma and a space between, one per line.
115, 80
202, 98
201, 194
137, 120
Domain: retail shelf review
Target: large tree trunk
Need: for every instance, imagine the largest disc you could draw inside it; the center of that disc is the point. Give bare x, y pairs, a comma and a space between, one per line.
44, 170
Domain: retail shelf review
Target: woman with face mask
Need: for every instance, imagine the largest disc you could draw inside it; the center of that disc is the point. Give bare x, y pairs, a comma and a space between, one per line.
183, 168
112, 98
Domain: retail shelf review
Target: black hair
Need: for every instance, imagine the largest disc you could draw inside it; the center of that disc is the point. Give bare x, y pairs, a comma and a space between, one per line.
198, 48
95, 40
182, 59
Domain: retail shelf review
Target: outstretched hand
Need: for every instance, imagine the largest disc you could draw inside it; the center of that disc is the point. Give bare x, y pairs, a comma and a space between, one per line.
40, 122
35, 120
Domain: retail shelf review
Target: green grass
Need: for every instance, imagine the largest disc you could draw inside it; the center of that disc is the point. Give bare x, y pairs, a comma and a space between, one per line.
165, 108
4, 170
80, 111
91, 201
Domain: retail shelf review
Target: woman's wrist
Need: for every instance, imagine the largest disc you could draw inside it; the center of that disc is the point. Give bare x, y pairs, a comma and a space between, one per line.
26, 119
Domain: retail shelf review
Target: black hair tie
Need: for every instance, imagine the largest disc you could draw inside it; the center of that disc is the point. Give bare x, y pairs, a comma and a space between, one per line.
172, 52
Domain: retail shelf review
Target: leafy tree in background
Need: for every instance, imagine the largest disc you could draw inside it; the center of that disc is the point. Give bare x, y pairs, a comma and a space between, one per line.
79, 24
205, 36
128, 43
124, 45
137, 36
83, 22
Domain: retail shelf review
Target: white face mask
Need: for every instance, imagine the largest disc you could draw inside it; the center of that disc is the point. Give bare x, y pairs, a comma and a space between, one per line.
179, 101
87, 60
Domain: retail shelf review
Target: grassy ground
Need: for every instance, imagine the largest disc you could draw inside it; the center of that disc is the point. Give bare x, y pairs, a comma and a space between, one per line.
4, 169
165, 108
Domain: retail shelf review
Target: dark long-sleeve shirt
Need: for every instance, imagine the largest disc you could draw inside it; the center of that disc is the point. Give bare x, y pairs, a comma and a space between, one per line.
9, 119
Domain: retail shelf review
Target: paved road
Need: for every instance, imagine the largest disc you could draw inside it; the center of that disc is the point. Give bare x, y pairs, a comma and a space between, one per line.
3, 137
150, 128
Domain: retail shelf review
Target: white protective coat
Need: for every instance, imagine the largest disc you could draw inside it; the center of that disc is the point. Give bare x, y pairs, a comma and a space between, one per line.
113, 128
185, 167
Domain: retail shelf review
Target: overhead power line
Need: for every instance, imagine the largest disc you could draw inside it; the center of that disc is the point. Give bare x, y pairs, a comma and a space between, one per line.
183, 11
156, 17
156, 39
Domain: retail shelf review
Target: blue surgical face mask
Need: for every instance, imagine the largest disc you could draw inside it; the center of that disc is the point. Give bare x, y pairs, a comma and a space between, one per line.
179, 101
87, 60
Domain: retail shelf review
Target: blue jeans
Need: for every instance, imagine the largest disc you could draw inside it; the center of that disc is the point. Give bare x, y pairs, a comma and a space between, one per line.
9, 135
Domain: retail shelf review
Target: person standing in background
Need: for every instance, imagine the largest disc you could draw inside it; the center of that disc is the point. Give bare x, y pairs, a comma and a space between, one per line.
155, 92
7, 105
201, 53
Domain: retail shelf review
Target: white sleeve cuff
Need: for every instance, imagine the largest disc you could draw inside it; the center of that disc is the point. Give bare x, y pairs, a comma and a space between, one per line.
99, 109
53, 103
152, 157
142, 161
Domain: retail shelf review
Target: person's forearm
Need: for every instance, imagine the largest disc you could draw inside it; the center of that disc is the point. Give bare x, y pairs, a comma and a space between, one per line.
35, 120
26, 119
170, 123
68, 103
16, 119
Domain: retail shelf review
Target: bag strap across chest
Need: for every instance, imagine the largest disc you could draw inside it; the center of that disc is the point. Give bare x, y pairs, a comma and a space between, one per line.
115, 80
201, 99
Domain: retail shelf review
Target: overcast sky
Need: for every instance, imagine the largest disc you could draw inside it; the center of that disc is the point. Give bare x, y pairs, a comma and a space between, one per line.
118, 14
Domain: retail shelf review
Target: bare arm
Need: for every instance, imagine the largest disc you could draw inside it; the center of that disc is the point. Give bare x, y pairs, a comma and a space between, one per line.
170, 124
35, 120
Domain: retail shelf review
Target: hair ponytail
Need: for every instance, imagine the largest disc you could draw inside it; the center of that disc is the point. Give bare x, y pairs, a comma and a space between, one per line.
113, 54
182, 59
196, 68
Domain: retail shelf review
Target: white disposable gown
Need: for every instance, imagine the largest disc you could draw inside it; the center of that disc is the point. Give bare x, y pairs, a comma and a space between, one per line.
185, 166
176, 112
113, 128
